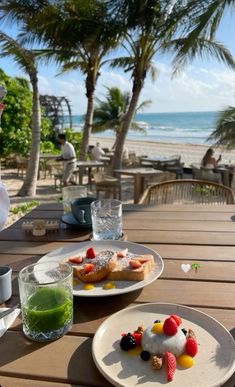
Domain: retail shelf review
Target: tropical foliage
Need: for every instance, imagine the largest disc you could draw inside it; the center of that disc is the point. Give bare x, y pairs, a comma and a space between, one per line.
224, 133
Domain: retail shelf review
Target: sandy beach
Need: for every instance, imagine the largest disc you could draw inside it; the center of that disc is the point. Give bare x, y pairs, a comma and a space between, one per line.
189, 153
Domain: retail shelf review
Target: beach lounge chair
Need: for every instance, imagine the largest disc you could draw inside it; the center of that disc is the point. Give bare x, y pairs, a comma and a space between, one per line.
187, 192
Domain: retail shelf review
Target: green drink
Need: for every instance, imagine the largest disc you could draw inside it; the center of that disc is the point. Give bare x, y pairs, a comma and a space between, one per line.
47, 308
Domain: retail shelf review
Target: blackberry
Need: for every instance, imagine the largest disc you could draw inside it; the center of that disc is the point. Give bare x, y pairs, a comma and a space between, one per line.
184, 331
145, 355
127, 342
157, 321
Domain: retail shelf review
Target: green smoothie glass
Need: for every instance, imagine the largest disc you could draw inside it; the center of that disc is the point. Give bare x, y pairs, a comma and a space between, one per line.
46, 296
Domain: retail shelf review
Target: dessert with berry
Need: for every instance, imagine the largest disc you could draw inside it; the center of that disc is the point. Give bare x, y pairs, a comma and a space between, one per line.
164, 343
92, 266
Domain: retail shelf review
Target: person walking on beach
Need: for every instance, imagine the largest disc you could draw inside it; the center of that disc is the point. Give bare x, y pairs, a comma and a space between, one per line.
97, 152
208, 161
68, 156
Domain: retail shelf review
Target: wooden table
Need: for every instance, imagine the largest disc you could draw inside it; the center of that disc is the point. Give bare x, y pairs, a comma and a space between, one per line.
139, 175
181, 234
81, 165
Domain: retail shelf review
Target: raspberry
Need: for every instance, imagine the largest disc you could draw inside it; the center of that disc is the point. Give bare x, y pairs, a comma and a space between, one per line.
127, 342
170, 365
145, 355
170, 327
177, 319
90, 253
191, 347
138, 337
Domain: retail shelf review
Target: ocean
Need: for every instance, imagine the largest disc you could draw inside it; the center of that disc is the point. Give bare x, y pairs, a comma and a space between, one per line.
184, 128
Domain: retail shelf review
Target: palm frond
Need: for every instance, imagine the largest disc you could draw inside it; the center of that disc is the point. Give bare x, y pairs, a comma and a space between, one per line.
202, 47
224, 133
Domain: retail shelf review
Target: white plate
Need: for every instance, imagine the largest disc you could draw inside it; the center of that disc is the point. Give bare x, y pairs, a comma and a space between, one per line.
214, 362
121, 286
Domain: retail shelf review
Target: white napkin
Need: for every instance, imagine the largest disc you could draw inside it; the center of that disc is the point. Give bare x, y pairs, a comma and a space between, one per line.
4, 205
6, 321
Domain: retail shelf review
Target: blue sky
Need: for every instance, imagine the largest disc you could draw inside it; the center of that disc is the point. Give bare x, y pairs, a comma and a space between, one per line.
204, 85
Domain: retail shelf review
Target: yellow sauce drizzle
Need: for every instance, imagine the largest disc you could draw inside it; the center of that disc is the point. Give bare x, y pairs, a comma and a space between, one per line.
88, 287
109, 285
134, 351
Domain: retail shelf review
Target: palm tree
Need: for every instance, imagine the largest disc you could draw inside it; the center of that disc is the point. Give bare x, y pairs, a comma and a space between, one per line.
151, 28
108, 114
224, 133
26, 59
78, 32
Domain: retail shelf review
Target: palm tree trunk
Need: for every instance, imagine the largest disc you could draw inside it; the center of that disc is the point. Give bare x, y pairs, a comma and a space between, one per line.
120, 140
30, 184
90, 87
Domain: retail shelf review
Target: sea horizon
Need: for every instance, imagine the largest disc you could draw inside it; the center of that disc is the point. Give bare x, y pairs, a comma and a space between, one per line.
175, 127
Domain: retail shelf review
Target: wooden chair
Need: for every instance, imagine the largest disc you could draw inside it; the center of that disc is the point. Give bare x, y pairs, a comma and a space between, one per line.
21, 165
110, 185
164, 176
187, 192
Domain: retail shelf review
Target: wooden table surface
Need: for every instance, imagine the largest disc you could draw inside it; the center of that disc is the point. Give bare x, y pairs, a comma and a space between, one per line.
181, 234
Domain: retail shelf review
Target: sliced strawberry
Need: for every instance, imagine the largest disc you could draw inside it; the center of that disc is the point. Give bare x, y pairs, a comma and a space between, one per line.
134, 264
191, 347
177, 319
122, 253
142, 260
170, 327
88, 267
90, 253
138, 337
76, 259
170, 365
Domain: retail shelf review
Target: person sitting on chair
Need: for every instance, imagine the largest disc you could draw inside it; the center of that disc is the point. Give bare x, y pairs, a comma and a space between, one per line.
68, 156
208, 161
97, 152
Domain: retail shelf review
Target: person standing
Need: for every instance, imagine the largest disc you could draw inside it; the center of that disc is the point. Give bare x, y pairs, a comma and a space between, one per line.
68, 156
97, 152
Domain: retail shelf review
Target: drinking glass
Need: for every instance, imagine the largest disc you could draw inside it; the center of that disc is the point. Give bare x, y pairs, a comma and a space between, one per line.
71, 193
46, 296
106, 218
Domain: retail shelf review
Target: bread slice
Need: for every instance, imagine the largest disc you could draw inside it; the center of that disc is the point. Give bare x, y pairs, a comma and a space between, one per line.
132, 267
93, 269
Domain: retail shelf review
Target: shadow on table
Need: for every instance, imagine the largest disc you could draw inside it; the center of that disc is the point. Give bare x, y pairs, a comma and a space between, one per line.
94, 308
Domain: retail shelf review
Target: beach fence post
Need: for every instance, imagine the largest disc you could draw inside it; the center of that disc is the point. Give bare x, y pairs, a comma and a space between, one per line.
3, 93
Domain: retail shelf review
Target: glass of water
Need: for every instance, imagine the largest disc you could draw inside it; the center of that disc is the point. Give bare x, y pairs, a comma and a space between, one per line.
46, 297
106, 217
70, 193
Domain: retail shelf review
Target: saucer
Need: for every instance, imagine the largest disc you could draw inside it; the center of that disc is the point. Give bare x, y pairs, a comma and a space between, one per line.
70, 220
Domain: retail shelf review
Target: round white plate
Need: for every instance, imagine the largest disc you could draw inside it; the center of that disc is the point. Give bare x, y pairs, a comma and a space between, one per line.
214, 362
121, 286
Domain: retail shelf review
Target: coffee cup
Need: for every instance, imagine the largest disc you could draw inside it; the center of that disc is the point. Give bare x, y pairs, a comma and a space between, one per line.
5, 283
81, 210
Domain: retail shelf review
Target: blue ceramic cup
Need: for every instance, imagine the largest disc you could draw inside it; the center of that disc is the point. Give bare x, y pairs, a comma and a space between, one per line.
81, 210
5, 283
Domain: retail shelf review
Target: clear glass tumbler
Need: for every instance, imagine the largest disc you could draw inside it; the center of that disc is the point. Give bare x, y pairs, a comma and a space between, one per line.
106, 217
70, 193
46, 296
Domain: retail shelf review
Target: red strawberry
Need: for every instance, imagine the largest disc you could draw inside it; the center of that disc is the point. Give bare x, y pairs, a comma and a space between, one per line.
90, 253
134, 264
142, 260
191, 347
88, 267
177, 319
138, 337
170, 328
170, 365
76, 260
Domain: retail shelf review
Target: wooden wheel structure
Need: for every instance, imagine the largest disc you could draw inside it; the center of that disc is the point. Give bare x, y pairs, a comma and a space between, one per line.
57, 108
